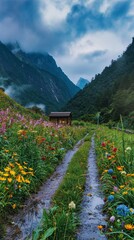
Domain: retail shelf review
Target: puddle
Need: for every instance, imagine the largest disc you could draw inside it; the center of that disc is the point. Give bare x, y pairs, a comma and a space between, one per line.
92, 204
29, 217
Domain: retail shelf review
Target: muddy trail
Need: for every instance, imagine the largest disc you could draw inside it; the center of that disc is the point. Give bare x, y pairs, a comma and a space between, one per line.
91, 208
28, 218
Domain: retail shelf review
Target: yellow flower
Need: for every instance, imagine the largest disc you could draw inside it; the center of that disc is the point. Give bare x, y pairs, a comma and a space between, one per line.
14, 206
5, 174
2, 179
12, 172
129, 226
122, 186
27, 181
15, 154
20, 167
9, 180
11, 165
23, 172
31, 169
18, 179
124, 193
7, 169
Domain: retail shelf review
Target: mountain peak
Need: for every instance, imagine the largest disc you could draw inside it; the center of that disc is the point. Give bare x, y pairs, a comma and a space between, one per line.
82, 82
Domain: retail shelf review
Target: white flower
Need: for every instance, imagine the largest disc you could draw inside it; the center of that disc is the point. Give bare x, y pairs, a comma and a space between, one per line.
123, 172
128, 149
72, 205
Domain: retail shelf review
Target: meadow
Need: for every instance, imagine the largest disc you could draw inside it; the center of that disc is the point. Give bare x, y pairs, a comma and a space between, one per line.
30, 150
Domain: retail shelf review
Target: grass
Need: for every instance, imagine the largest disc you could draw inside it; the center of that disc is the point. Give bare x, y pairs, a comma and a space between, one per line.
62, 220
115, 154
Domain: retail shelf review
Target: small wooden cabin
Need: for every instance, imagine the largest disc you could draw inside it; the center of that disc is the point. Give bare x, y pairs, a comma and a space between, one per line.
64, 118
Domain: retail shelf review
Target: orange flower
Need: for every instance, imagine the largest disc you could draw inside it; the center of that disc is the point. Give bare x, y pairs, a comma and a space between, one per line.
100, 227
120, 168
129, 226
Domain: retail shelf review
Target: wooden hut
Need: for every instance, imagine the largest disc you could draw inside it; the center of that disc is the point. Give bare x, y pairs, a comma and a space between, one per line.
61, 118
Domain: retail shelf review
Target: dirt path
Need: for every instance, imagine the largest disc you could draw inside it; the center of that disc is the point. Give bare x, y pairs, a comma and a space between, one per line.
28, 218
91, 215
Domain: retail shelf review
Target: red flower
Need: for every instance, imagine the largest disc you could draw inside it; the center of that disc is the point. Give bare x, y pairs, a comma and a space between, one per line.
114, 149
43, 158
103, 144
114, 177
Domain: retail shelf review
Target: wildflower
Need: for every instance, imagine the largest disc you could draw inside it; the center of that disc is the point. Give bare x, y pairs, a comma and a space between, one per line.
2, 179
123, 172
6, 151
129, 226
9, 180
110, 171
122, 186
7, 169
14, 206
12, 172
103, 144
27, 181
5, 174
110, 198
114, 177
131, 210
112, 219
124, 193
122, 210
114, 149
72, 205
100, 227
18, 179
120, 168
23, 172
116, 189
11, 165
128, 149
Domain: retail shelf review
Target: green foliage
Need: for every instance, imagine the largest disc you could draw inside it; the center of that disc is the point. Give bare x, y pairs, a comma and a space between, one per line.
111, 93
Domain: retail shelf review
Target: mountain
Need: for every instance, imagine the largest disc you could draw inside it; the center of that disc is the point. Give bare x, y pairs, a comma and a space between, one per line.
30, 81
82, 83
111, 93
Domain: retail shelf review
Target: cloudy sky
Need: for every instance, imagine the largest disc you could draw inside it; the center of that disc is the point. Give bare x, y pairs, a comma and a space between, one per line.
82, 35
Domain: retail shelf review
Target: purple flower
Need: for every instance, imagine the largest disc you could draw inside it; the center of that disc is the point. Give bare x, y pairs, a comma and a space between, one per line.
112, 219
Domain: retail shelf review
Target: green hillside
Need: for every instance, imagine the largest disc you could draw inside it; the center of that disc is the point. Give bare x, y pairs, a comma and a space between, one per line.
111, 93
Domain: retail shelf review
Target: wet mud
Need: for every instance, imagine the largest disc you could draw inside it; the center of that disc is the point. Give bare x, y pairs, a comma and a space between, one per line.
29, 217
91, 208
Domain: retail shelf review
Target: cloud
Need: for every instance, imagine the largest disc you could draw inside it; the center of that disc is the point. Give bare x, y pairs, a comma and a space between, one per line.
39, 105
82, 35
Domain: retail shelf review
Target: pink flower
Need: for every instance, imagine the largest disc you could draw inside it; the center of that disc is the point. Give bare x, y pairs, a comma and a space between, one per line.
116, 189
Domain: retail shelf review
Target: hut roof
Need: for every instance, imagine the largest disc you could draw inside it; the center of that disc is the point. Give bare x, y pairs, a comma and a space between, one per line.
60, 114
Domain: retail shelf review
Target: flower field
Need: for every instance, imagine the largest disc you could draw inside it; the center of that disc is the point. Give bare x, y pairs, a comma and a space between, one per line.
29, 152
115, 154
